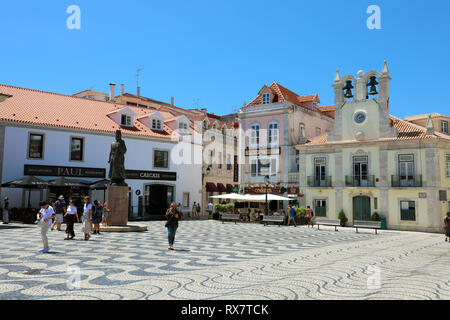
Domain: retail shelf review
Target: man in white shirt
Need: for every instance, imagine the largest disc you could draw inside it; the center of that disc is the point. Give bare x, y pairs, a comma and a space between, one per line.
44, 217
210, 208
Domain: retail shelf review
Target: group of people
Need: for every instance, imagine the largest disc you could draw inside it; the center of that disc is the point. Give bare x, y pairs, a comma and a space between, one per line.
53, 215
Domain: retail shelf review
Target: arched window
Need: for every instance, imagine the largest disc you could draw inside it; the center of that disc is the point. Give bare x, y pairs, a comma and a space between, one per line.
273, 134
302, 133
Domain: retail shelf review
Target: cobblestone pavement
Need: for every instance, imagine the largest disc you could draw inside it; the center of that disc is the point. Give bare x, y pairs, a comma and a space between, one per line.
225, 261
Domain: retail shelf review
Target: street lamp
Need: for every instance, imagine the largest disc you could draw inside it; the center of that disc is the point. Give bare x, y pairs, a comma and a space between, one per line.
266, 181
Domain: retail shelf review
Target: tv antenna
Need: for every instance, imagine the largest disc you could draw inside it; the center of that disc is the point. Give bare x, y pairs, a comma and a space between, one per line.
138, 73
197, 103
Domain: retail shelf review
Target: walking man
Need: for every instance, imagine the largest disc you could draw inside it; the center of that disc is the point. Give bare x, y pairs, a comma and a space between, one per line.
210, 208
60, 209
291, 216
6, 211
44, 218
309, 215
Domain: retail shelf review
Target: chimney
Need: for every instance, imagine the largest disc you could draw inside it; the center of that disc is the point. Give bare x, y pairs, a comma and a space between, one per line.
112, 94
172, 101
138, 91
122, 89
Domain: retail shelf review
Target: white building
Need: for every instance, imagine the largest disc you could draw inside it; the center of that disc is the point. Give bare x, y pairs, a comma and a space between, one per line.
50, 135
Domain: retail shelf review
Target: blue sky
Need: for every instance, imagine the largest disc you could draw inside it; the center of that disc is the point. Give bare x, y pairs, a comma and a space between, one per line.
223, 52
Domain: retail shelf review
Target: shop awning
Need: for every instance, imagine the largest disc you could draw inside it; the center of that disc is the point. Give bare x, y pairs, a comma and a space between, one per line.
68, 183
100, 185
229, 188
30, 182
221, 187
211, 187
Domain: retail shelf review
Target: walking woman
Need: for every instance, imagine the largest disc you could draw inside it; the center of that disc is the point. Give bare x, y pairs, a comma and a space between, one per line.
447, 227
172, 216
87, 216
44, 218
71, 215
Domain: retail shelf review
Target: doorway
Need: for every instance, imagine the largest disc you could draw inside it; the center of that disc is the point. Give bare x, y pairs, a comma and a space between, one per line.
157, 199
360, 171
361, 208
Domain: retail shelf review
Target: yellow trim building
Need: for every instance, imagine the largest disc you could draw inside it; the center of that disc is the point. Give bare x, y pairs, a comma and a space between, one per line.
375, 162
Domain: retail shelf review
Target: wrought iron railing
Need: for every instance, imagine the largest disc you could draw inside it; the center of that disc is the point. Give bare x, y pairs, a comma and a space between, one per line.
360, 181
406, 181
314, 181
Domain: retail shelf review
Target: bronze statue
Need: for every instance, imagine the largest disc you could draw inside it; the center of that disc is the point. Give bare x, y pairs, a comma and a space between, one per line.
116, 161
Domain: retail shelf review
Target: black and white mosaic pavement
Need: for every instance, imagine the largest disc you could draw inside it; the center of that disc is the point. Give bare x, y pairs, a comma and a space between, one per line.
225, 261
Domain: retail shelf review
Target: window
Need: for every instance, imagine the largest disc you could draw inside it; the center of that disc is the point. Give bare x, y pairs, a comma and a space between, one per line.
408, 210
273, 167
131, 104
320, 208
444, 126
156, 124
228, 161
447, 161
160, 159
254, 135
186, 200
264, 167
220, 160
126, 120
318, 131
272, 139
182, 126
253, 168
406, 169
36, 146
266, 98
210, 156
320, 170
297, 160
76, 149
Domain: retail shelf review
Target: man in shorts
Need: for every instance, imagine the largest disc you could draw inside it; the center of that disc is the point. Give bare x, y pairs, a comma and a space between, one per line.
291, 216
60, 210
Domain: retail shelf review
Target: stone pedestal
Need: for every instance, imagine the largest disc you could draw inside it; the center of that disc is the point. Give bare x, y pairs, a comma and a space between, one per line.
118, 205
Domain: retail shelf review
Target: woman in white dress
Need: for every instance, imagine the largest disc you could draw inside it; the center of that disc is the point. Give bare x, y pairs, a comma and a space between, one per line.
87, 214
71, 216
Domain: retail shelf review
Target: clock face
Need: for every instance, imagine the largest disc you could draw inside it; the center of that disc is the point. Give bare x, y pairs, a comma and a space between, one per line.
359, 117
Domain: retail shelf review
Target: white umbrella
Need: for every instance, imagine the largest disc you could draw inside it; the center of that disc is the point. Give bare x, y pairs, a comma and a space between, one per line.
270, 197
232, 196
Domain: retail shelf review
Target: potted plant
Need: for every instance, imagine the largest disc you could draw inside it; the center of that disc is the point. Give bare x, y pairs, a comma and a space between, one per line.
300, 215
342, 218
375, 217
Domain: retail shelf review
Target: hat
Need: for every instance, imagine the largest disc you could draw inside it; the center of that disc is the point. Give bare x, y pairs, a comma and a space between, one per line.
105, 204
6, 198
61, 197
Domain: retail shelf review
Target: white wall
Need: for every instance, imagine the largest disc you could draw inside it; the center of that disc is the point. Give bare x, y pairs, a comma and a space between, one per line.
139, 156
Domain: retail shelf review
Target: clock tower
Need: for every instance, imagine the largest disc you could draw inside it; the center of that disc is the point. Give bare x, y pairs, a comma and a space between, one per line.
362, 107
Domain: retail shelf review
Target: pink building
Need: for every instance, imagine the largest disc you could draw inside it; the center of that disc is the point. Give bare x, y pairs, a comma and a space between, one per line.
272, 124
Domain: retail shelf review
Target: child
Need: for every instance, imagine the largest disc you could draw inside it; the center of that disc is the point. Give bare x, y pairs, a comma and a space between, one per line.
44, 218
105, 214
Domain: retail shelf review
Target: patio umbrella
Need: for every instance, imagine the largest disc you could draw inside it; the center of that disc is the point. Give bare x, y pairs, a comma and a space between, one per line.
67, 183
101, 185
30, 183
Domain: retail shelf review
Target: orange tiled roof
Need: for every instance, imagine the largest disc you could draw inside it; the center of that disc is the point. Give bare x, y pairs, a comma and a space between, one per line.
281, 93
326, 110
42, 108
406, 131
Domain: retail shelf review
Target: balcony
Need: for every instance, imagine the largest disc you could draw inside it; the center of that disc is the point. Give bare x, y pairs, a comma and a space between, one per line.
406, 181
324, 182
360, 181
